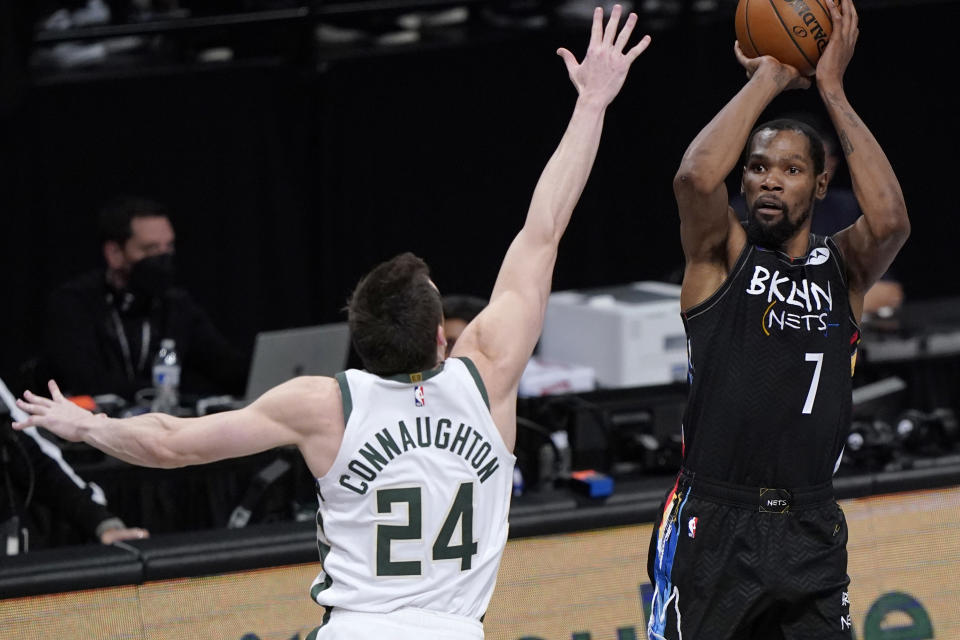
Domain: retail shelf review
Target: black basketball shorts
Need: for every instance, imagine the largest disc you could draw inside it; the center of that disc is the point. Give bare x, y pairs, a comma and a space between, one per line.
737, 563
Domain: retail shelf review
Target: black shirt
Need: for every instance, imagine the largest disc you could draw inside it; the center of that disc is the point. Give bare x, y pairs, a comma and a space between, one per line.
771, 357
86, 352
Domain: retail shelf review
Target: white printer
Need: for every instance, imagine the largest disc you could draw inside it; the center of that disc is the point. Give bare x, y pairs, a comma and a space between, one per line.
631, 335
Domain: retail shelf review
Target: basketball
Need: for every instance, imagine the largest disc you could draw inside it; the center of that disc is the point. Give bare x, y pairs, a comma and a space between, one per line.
794, 32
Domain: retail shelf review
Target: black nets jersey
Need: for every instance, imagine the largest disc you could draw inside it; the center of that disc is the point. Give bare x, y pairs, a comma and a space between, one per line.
771, 355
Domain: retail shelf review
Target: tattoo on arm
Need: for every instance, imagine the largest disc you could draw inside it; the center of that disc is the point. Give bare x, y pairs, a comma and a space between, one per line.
851, 118
845, 143
832, 98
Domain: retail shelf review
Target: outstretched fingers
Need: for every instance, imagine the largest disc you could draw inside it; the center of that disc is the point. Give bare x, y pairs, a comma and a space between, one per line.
37, 406
55, 391
601, 72
612, 24
626, 32
596, 31
37, 420
32, 408
568, 59
638, 48
36, 400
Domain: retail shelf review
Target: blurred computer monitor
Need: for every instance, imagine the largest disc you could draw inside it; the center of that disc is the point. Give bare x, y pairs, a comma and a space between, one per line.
283, 354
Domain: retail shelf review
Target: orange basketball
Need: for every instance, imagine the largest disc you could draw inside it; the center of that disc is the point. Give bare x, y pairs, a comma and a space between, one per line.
794, 32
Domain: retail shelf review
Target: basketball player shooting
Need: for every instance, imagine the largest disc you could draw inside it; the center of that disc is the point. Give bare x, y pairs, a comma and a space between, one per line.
412, 455
751, 542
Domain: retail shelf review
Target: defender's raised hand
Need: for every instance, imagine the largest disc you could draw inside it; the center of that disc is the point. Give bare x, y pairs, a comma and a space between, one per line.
56, 413
604, 69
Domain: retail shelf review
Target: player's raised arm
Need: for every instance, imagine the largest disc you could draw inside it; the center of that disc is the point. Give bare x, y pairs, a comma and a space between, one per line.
302, 412
872, 242
706, 220
503, 336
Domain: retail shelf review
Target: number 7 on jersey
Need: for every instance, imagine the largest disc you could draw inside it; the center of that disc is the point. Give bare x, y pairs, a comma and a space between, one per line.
812, 393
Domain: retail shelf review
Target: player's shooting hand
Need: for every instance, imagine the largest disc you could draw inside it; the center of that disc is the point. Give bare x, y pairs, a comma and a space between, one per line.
839, 50
56, 413
787, 76
603, 70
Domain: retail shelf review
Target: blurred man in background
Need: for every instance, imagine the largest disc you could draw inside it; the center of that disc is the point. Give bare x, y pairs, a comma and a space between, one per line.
458, 312
104, 327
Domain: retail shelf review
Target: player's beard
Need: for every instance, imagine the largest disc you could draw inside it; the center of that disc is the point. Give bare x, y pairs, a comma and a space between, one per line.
775, 235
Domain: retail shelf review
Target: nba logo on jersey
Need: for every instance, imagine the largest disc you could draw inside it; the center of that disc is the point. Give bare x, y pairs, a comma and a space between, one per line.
418, 397
692, 527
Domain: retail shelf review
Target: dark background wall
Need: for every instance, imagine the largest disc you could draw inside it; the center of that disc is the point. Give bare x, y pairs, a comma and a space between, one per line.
288, 183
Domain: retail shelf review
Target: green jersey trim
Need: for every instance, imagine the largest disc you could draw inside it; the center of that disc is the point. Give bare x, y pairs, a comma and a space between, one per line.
345, 396
420, 376
472, 368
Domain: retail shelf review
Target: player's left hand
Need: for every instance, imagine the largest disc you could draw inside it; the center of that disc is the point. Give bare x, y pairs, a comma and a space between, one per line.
603, 70
57, 414
839, 50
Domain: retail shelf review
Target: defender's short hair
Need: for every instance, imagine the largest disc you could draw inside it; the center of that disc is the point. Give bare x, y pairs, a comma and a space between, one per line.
394, 313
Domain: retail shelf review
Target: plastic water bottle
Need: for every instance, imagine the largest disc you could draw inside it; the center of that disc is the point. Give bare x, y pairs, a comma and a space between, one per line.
166, 379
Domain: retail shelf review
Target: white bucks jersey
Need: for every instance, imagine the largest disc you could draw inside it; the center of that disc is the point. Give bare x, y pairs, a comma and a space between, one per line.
413, 512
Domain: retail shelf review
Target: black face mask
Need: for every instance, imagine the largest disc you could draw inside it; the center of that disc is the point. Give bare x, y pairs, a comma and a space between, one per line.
152, 276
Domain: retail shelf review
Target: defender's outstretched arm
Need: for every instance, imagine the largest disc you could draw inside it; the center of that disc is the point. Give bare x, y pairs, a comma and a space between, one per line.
502, 337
